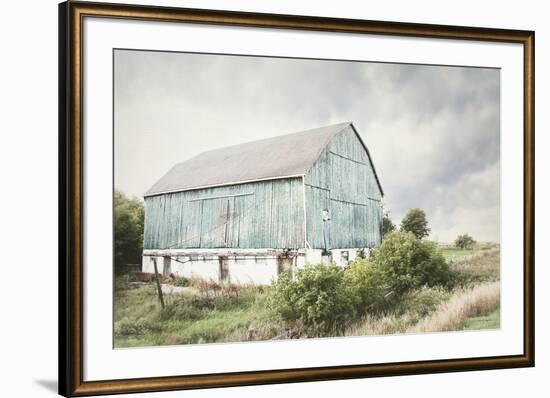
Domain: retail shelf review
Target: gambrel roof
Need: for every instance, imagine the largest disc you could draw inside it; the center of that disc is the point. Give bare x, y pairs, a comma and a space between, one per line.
285, 156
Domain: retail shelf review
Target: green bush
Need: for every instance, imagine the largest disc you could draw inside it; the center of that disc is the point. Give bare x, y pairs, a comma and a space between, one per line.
322, 300
366, 285
183, 310
122, 282
181, 281
127, 327
318, 299
407, 263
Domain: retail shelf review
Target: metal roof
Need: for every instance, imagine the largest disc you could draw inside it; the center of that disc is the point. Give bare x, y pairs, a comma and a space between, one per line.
284, 156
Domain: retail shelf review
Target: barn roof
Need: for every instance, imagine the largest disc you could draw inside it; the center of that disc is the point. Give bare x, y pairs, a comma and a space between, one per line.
290, 155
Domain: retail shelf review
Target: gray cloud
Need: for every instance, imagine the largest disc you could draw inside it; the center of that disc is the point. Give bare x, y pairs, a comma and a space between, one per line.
433, 131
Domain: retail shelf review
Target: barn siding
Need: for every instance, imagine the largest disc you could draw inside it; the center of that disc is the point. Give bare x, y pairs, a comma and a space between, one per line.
343, 181
267, 214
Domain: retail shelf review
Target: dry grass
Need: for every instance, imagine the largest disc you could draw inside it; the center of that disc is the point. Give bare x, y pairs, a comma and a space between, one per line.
480, 300
450, 314
375, 325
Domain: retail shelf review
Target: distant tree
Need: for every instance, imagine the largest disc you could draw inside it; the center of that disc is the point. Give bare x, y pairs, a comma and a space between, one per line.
415, 221
128, 230
387, 224
464, 241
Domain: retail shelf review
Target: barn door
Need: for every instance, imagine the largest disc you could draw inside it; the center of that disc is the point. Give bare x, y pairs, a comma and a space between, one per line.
216, 222
241, 231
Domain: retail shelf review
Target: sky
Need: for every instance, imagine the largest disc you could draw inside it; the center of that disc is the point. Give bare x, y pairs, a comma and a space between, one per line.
433, 131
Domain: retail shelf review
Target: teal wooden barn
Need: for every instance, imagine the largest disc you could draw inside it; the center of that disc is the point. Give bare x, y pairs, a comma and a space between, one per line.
246, 212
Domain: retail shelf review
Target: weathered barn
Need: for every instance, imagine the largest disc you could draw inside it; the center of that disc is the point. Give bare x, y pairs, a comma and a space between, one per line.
246, 212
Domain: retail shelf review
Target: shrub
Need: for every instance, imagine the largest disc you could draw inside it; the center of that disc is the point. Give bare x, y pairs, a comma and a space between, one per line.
181, 281
127, 327
183, 310
366, 285
407, 262
318, 299
464, 241
122, 282
420, 303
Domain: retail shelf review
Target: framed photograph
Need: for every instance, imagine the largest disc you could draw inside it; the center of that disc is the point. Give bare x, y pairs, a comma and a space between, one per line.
252, 198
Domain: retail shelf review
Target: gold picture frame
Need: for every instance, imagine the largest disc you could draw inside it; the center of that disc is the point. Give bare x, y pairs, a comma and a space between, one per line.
71, 16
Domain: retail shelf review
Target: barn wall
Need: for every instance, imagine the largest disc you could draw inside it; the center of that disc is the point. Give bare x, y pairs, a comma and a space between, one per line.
267, 214
343, 181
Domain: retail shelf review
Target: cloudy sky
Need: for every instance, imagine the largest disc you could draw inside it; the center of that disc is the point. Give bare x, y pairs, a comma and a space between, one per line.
433, 131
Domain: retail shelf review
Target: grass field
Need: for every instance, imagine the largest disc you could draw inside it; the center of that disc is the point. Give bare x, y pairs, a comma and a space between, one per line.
205, 318
490, 321
451, 253
209, 313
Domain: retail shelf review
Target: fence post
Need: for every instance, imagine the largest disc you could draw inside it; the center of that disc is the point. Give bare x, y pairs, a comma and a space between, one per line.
159, 289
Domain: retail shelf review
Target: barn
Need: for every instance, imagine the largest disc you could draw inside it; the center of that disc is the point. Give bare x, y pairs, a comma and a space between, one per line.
245, 213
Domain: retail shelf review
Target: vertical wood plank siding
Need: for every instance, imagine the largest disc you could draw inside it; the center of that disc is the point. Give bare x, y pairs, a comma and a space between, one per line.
343, 181
267, 214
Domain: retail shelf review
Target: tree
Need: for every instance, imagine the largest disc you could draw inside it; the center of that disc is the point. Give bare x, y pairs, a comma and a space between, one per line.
464, 241
415, 221
387, 224
128, 230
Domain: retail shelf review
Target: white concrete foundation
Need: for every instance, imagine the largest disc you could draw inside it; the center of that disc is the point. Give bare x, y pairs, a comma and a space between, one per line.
260, 267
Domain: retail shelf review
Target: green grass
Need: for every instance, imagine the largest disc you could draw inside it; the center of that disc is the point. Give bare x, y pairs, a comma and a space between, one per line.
453, 253
490, 321
208, 318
